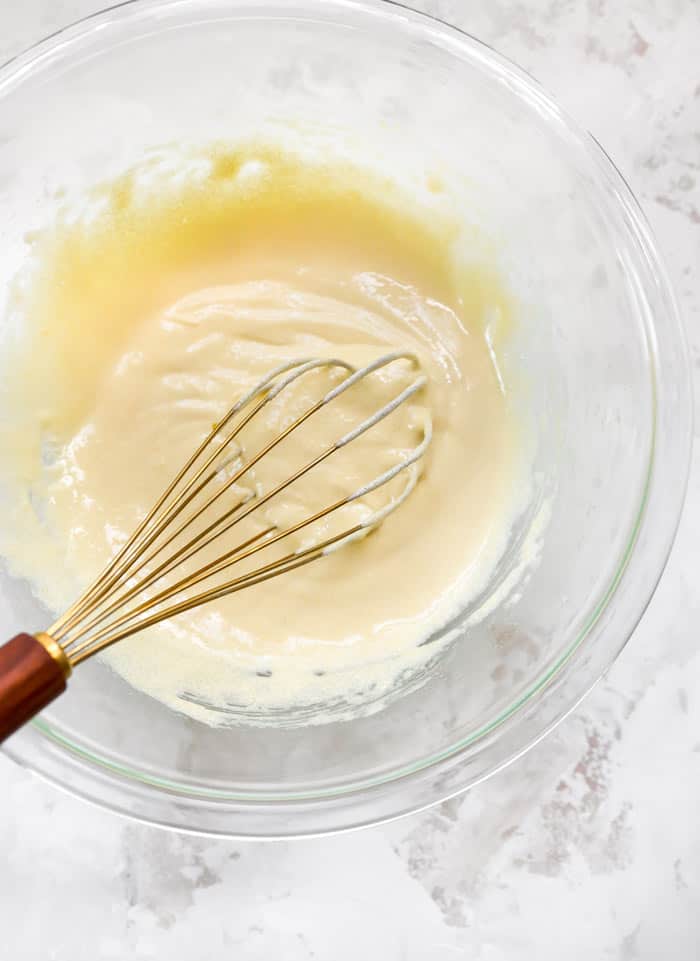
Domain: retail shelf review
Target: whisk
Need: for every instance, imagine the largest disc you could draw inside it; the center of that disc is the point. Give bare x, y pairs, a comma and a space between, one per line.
202, 506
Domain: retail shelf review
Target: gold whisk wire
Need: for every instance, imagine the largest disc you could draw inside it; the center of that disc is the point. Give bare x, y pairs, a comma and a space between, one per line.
128, 595
99, 618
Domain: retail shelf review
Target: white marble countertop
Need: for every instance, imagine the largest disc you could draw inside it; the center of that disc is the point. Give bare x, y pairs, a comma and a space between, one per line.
589, 847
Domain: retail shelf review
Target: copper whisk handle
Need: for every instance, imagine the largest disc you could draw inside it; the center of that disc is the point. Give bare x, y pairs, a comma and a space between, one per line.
31, 676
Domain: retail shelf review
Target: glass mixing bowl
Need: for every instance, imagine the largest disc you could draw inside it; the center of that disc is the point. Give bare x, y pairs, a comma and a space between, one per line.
598, 339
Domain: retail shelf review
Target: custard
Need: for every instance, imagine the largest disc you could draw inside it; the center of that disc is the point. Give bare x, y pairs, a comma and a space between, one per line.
146, 319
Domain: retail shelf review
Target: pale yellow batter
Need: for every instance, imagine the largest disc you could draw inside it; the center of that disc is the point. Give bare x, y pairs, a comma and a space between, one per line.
144, 322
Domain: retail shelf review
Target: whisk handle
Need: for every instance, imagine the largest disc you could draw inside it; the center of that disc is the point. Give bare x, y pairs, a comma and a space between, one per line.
30, 678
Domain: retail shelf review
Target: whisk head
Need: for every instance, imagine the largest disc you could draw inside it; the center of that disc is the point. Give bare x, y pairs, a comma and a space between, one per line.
217, 528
